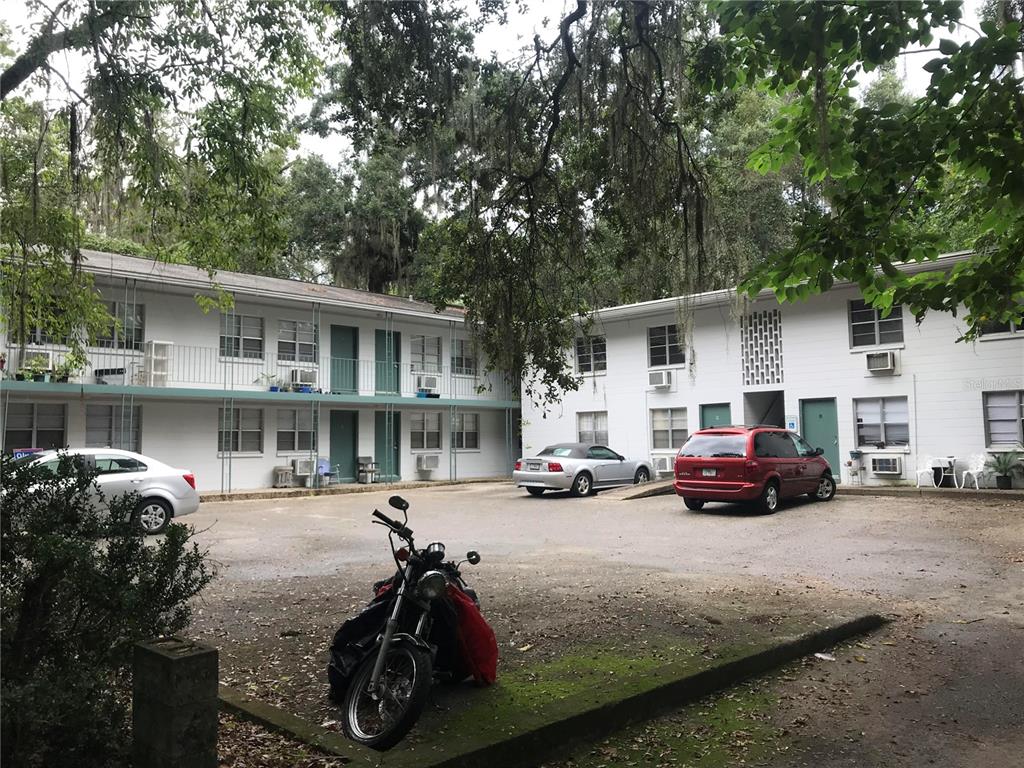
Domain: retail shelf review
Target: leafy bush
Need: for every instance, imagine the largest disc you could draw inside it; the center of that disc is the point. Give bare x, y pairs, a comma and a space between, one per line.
79, 586
1005, 462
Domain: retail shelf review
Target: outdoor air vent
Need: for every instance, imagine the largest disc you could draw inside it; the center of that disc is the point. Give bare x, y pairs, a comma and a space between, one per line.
428, 461
659, 379
426, 382
886, 465
881, 362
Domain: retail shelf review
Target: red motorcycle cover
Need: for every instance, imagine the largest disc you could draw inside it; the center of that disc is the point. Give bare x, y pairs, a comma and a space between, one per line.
477, 642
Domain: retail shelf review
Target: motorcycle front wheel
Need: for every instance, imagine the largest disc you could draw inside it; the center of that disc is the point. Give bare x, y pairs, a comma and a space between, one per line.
380, 721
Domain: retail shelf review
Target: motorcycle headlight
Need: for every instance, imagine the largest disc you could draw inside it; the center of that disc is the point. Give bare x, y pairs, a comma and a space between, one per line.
436, 551
432, 585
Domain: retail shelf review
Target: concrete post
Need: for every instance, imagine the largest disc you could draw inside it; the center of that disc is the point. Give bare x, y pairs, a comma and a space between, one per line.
174, 704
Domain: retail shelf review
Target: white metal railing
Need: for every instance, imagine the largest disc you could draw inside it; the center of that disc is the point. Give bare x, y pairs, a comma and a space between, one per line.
162, 364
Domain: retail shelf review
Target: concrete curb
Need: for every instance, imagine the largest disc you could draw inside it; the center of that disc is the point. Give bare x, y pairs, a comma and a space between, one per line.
668, 690
663, 488
338, 490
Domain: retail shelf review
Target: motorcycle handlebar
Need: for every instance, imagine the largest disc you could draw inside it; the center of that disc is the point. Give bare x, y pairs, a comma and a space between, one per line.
394, 525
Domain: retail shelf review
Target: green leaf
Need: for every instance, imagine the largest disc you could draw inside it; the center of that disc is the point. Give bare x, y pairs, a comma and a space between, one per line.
948, 47
934, 65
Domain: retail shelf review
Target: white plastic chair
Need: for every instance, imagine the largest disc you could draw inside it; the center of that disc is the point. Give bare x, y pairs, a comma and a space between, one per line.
975, 468
926, 465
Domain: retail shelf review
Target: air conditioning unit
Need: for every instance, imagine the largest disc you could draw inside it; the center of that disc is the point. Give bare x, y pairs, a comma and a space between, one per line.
428, 461
428, 382
659, 379
887, 465
663, 464
303, 376
302, 466
881, 362
31, 354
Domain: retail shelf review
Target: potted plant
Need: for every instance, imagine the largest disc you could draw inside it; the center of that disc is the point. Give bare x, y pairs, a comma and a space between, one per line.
1004, 464
35, 368
72, 365
270, 381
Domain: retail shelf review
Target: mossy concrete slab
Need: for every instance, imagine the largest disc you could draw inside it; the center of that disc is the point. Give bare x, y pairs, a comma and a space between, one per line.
535, 711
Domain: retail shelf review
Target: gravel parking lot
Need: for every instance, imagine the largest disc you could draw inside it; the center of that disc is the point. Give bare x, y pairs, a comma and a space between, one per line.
942, 683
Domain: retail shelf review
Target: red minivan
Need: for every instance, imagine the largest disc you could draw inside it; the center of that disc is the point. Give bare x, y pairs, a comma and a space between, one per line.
760, 464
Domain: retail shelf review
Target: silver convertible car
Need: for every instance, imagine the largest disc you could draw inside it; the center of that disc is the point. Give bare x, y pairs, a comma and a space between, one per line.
581, 468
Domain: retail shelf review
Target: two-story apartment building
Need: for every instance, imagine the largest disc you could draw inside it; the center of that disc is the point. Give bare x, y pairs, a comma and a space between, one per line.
298, 375
831, 368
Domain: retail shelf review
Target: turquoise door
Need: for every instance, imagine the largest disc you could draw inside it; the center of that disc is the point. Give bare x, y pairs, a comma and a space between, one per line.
387, 357
344, 435
344, 359
387, 429
819, 426
715, 415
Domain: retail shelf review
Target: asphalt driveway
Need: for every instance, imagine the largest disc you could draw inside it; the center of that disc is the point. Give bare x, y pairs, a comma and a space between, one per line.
950, 574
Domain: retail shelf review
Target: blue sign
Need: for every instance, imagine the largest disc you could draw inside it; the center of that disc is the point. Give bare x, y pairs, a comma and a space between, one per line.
19, 452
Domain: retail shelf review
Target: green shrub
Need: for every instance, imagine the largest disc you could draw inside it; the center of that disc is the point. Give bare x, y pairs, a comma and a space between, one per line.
79, 586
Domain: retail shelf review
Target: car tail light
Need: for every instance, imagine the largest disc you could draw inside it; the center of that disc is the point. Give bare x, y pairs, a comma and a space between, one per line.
750, 467
190, 479
519, 465
554, 466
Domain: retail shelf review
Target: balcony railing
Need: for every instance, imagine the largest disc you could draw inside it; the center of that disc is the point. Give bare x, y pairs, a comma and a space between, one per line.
161, 364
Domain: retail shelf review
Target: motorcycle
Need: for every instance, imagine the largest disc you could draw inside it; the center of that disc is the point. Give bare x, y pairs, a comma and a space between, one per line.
422, 622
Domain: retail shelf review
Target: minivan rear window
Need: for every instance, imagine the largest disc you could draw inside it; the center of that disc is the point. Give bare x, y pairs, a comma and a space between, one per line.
715, 446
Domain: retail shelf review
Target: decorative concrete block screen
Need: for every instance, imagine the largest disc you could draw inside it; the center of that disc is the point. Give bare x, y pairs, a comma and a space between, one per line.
761, 339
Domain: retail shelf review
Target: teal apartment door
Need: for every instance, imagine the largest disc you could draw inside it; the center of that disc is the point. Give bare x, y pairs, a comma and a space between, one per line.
715, 415
344, 440
387, 356
819, 426
344, 359
388, 432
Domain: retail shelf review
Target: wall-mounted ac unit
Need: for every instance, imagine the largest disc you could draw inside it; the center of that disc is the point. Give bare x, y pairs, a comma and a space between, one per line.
303, 376
44, 356
428, 461
302, 466
887, 465
659, 379
428, 382
663, 463
881, 362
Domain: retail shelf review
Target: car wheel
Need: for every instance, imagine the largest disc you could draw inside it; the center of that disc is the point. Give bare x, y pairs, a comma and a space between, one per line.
153, 515
535, 491
641, 476
582, 485
695, 504
826, 489
769, 500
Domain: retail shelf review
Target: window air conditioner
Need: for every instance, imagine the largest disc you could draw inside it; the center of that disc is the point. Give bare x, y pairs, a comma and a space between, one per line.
305, 376
428, 461
302, 466
886, 465
47, 358
427, 382
659, 379
881, 362
663, 463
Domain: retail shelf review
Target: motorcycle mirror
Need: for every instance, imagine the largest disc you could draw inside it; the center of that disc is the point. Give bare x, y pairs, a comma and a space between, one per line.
398, 503
473, 557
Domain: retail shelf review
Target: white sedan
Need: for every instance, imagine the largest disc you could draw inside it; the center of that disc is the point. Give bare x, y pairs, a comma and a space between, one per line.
164, 492
581, 468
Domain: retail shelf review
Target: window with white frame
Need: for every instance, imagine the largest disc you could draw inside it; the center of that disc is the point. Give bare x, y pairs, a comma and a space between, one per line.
35, 425
868, 328
1002, 329
664, 347
591, 354
241, 336
1004, 417
425, 431
296, 341
882, 421
668, 428
592, 427
295, 430
128, 329
463, 358
113, 426
240, 429
425, 353
467, 431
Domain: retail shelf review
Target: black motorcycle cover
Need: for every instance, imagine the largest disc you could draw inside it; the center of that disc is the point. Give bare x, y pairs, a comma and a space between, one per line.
352, 640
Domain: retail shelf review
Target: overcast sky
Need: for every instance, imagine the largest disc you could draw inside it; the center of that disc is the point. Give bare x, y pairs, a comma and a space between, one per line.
506, 42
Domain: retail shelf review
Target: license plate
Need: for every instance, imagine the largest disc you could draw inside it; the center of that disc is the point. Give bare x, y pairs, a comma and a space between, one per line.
709, 472
533, 466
